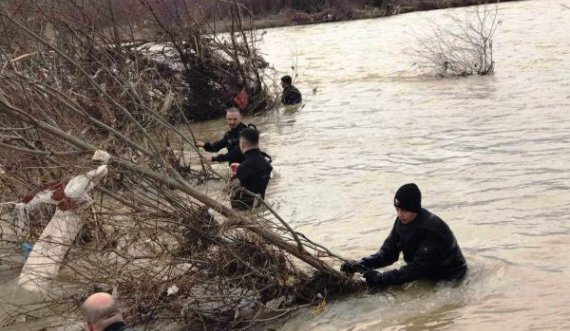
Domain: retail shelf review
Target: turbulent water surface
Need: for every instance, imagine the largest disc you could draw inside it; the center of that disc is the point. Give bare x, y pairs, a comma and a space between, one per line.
491, 155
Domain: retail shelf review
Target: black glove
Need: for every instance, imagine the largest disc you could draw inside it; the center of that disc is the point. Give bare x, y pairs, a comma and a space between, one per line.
373, 278
352, 266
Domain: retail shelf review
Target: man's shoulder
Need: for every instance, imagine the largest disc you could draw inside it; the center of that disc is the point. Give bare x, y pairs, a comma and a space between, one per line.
256, 164
433, 223
261, 161
428, 215
267, 167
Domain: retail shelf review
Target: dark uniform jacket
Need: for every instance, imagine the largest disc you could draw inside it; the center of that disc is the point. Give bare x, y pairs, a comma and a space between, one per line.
430, 251
253, 174
119, 326
229, 141
291, 96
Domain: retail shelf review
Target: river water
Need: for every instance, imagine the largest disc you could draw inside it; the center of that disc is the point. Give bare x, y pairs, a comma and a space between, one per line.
490, 154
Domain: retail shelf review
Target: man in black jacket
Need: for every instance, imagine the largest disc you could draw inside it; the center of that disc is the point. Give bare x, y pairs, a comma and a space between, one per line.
430, 248
253, 173
102, 314
230, 140
291, 95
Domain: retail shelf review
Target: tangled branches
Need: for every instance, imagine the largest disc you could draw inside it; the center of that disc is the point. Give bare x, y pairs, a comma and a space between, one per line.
169, 252
463, 49
173, 54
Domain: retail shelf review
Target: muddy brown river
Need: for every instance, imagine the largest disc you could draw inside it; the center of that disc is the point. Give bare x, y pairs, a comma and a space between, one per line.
490, 154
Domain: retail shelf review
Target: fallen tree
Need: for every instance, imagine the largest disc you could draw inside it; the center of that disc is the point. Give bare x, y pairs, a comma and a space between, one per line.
169, 252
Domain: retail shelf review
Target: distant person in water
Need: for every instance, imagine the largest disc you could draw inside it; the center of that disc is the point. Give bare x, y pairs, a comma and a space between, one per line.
430, 248
230, 140
102, 314
291, 95
252, 174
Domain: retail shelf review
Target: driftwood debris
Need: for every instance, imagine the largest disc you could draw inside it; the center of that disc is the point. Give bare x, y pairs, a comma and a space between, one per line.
48, 254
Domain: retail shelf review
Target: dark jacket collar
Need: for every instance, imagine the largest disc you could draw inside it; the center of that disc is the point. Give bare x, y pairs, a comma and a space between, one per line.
420, 218
115, 326
238, 128
252, 152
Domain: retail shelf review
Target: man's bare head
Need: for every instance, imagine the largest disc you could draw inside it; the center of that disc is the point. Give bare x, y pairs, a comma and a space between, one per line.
233, 117
100, 311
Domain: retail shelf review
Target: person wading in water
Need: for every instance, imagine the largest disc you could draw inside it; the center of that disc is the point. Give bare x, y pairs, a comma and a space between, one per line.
291, 95
252, 174
430, 248
230, 140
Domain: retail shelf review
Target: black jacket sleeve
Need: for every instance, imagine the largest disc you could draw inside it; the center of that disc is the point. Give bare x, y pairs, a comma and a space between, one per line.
230, 156
216, 146
388, 253
424, 259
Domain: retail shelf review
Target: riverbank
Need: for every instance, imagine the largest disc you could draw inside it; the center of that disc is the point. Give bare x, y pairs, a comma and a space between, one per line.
349, 12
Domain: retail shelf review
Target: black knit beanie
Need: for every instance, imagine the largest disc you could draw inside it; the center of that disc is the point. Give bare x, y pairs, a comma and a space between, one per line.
409, 197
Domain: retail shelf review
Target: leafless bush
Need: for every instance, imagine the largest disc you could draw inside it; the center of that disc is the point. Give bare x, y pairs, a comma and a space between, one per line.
462, 48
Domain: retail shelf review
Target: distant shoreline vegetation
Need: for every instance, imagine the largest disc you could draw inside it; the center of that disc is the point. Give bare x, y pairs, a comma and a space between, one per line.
214, 16
271, 13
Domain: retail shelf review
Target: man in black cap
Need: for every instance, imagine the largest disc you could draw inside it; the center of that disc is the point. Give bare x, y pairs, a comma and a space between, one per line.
253, 173
430, 248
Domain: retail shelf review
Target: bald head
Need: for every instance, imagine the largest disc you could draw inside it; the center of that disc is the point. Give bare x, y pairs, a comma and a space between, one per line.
100, 311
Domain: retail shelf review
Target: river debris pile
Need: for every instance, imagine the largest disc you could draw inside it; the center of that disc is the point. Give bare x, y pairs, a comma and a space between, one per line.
84, 141
177, 61
170, 254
